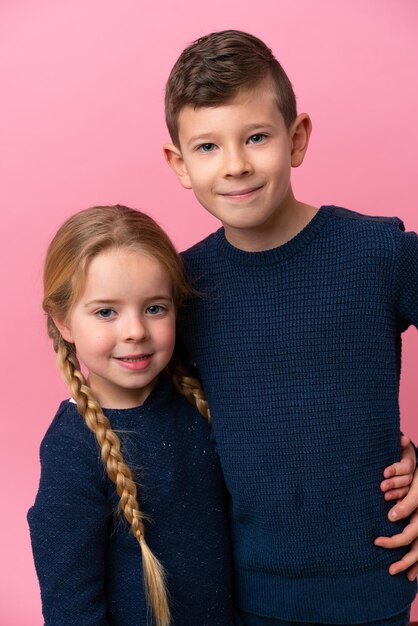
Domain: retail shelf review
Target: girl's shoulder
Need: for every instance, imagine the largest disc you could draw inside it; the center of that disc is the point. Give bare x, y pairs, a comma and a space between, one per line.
68, 424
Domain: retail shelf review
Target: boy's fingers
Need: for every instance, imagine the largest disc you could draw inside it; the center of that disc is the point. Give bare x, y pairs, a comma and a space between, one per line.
396, 541
401, 566
410, 560
413, 572
396, 494
407, 464
397, 482
408, 504
405, 441
409, 535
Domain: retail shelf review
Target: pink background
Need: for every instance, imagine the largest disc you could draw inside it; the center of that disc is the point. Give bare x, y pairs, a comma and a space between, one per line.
81, 123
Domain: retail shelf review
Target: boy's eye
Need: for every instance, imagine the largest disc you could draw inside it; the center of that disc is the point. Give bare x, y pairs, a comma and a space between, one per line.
206, 147
105, 314
257, 138
156, 309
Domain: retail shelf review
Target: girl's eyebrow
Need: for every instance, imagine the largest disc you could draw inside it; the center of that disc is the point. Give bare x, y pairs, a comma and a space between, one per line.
101, 301
116, 301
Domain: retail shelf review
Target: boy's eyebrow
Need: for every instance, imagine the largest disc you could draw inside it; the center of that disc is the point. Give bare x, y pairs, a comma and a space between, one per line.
247, 129
200, 136
260, 124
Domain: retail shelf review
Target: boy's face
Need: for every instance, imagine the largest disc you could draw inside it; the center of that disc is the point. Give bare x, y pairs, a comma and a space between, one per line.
237, 158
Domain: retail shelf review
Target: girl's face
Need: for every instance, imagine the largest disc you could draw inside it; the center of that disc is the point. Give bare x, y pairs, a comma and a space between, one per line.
123, 326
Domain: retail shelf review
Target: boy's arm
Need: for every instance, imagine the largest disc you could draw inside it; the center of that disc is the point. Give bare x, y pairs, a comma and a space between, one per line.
406, 285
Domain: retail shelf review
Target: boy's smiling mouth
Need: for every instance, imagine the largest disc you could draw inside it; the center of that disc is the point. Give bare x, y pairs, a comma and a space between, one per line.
242, 193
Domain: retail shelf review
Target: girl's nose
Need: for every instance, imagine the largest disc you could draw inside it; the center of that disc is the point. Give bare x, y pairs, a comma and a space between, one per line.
135, 329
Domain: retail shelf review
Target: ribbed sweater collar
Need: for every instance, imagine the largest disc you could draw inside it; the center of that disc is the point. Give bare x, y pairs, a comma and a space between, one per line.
274, 255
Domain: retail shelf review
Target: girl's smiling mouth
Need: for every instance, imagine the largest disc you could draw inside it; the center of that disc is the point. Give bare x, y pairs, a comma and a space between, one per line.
134, 361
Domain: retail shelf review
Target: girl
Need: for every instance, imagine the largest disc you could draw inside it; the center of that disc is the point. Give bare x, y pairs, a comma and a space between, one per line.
113, 283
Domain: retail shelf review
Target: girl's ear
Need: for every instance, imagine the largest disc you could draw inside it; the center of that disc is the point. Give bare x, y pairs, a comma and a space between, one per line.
64, 329
299, 134
175, 160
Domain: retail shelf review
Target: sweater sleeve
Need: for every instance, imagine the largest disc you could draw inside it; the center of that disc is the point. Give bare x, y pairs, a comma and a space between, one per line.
408, 280
69, 529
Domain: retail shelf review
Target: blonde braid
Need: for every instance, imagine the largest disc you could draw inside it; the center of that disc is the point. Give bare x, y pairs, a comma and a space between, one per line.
117, 470
189, 387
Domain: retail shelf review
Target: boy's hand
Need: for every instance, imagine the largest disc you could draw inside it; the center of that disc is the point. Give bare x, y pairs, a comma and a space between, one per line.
395, 475
408, 536
398, 476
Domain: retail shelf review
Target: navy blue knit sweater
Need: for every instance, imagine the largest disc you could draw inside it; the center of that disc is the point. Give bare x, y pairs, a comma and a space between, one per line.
88, 563
298, 348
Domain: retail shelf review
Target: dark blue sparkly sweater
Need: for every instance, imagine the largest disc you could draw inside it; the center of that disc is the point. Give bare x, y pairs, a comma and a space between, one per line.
88, 563
298, 348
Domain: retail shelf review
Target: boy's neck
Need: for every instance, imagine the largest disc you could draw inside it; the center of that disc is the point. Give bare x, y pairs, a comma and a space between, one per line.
290, 221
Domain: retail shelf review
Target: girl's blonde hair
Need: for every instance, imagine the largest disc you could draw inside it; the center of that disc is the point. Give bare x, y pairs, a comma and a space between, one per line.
82, 237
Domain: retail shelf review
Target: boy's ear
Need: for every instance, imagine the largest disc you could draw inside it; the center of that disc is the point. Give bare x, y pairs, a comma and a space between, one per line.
64, 330
299, 134
175, 160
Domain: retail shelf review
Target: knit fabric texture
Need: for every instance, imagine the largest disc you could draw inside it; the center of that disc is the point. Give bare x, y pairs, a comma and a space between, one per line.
299, 352
88, 564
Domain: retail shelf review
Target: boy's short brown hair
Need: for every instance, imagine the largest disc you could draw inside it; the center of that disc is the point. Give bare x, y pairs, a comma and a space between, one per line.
214, 68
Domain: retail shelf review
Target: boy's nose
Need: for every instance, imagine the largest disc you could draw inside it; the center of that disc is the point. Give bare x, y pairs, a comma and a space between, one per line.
236, 163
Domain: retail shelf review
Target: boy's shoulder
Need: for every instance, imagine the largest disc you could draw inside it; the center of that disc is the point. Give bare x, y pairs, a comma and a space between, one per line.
203, 246
348, 214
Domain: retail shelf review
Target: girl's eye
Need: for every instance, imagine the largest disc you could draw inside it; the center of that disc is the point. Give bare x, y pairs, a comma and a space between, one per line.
155, 309
258, 138
206, 147
105, 314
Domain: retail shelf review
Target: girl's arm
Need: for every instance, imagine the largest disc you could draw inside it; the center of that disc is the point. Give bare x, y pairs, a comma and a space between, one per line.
69, 530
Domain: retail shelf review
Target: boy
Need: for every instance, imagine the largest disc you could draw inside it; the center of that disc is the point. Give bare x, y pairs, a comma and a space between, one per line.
296, 335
